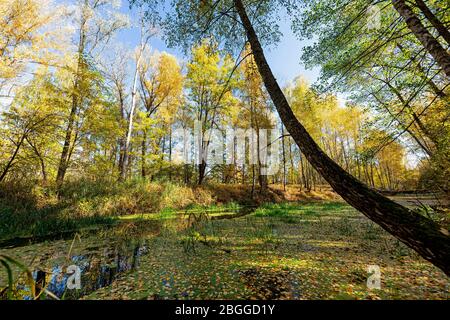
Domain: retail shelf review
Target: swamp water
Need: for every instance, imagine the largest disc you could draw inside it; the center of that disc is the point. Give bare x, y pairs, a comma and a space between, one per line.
73, 265
92, 259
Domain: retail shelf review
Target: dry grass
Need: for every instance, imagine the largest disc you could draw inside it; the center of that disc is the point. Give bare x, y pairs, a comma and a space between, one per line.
35, 210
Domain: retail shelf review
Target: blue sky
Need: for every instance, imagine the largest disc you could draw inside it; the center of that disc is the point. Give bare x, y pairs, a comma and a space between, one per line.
284, 58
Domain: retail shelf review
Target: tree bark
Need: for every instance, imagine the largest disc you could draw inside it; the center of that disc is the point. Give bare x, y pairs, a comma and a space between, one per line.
437, 24
187, 179
283, 147
131, 117
440, 55
292, 175
144, 154
65, 154
413, 229
201, 172
262, 177
64, 161
121, 162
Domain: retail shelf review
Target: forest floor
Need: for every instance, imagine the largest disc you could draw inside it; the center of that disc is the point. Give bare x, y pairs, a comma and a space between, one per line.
296, 250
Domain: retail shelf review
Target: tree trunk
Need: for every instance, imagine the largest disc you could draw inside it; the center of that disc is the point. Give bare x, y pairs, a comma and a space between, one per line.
440, 55
121, 162
170, 153
64, 161
131, 117
144, 154
302, 166
284, 157
203, 156
187, 179
262, 177
438, 25
13, 157
65, 154
41, 160
201, 172
292, 179
413, 229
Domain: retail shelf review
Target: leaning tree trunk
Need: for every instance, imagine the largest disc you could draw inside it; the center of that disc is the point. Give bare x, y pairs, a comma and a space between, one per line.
440, 55
437, 24
413, 229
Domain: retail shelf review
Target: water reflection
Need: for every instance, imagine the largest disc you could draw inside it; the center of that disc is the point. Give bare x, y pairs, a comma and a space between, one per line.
98, 259
97, 270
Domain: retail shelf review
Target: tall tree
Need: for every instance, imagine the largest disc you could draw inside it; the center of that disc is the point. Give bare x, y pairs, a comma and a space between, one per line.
209, 94
116, 73
418, 232
96, 25
20, 22
437, 24
33, 114
383, 68
161, 84
256, 108
144, 39
429, 42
